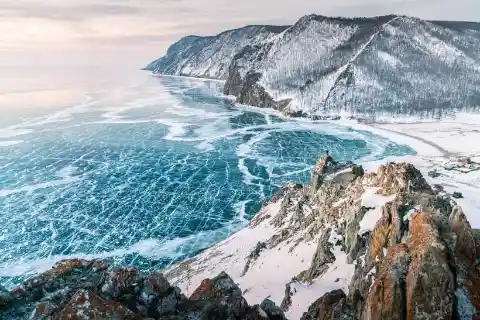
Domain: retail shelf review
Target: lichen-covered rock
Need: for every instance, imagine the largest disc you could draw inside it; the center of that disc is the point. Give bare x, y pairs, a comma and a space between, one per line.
158, 298
430, 284
387, 297
400, 178
121, 283
466, 243
59, 282
223, 295
86, 305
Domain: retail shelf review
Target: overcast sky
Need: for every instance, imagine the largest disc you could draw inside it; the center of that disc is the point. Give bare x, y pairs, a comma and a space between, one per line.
136, 31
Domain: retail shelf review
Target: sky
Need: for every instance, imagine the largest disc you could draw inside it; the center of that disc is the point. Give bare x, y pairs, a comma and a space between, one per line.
134, 32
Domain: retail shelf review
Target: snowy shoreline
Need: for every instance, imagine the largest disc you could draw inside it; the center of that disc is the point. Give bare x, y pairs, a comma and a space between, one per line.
273, 270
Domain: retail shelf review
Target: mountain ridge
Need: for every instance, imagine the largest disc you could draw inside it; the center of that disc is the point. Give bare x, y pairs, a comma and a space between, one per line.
375, 67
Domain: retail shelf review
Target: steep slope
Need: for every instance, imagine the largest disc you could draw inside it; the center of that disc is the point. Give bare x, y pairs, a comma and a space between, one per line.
209, 57
375, 68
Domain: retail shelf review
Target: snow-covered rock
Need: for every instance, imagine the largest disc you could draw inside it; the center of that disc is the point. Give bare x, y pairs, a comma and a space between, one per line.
344, 243
374, 68
210, 57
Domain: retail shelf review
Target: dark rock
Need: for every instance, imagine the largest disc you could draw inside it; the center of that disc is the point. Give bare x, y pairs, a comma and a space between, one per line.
6, 298
223, 295
273, 312
74, 273
158, 298
287, 299
122, 281
353, 241
358, 171
123, 285
434, 174
457, 195
321, 261
88, 305
253, 256
330, 306
438, 188
248, 91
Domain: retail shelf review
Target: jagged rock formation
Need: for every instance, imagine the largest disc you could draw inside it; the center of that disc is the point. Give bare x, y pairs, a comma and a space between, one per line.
385, 242
81, 289
352, 245
374, 68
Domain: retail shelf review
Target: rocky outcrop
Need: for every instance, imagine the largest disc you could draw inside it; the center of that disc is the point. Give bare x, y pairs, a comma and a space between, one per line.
321, 261
88, 305
400, 178
81, 289
332, 305
419, 260
248, 92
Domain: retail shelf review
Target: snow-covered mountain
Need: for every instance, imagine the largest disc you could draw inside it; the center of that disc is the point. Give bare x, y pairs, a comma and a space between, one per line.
381, 67
210, 57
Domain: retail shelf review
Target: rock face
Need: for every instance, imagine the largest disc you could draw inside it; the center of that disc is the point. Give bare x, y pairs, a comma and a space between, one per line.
419, 261
321, 261
80, 289
210, 57
325, 67
330, 306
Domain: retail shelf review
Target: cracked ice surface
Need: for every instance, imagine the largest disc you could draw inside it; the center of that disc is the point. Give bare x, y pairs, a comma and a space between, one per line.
151, 174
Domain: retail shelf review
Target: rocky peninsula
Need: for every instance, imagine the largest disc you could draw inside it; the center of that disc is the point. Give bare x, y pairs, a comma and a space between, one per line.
352, 244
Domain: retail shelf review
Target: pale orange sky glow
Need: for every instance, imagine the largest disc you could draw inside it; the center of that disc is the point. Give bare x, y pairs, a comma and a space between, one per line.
135, 32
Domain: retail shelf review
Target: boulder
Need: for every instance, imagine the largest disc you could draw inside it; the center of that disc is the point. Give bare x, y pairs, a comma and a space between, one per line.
273, 312
123, 283
358, 171
6, 298
332, 305
158, 298
85, 305
224, 297
457, 195
400, 178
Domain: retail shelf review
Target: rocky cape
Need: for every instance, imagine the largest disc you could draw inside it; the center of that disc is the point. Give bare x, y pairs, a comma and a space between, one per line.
350, 245
371, 68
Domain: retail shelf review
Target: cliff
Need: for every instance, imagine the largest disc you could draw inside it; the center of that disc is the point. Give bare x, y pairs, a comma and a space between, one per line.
350, 245
375, 68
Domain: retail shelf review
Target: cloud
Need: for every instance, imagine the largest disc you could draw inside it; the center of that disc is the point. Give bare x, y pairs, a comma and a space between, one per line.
151, 25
